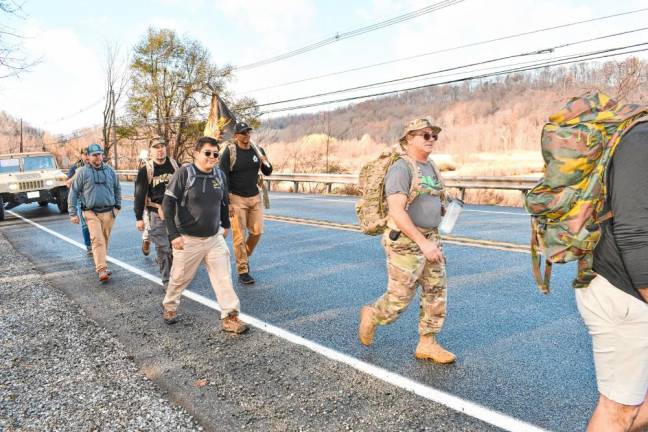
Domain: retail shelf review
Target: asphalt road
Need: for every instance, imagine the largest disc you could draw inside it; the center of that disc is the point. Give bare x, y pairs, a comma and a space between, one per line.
519, 352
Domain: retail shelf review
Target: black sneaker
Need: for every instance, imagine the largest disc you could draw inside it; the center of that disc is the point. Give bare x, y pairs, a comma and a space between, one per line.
245, 278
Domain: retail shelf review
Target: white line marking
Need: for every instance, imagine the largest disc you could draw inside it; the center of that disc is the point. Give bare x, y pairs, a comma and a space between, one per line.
471, 409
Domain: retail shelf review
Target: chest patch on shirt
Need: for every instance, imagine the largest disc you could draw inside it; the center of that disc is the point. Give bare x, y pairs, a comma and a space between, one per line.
430, 182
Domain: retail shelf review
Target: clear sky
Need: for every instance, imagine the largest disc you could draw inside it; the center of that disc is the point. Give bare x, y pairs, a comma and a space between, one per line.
71, 38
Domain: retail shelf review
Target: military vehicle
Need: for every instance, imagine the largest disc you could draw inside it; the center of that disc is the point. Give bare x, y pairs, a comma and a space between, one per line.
31, 177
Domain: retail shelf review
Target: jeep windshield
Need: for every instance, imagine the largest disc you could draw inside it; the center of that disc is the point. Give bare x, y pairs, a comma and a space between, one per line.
33, 163
9, 166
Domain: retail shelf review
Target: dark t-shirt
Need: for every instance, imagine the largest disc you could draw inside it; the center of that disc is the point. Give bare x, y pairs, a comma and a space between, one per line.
621, 255
155, 190
243, 178
205, 209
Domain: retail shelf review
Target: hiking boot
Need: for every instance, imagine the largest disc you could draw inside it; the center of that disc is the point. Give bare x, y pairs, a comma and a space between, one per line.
104, 275
169, 316
146, 247
232, 323
245, 278
367, 327
429, 348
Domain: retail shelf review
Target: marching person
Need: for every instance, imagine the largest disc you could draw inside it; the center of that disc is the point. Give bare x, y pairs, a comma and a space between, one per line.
196, 215
413, 245
97, 187
241, 162
83, 161
614, 306
150, 184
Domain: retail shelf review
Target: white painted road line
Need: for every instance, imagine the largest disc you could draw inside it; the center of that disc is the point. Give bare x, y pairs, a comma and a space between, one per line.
469, 408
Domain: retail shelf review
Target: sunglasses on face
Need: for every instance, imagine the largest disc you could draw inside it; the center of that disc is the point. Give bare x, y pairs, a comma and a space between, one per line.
210, 153
427, 136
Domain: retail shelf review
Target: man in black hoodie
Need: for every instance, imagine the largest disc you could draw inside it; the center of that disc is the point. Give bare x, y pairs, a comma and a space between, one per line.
196, 216
150, 185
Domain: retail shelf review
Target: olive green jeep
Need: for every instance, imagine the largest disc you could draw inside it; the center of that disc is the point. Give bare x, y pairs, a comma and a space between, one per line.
31, 177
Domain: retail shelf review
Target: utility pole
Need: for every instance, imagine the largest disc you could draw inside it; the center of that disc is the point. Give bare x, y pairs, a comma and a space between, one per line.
21, 137
114, 130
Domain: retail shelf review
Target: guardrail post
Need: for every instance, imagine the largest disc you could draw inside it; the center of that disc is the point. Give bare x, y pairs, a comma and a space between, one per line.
329, 187
267, 182
462, 191
295, 186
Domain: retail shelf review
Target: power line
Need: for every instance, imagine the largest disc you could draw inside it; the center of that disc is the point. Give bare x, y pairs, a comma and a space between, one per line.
553, 63
60, 119
536, 52
470, 45
349, 34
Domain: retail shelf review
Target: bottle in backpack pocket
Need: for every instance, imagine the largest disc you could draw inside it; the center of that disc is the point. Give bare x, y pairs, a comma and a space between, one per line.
451, 215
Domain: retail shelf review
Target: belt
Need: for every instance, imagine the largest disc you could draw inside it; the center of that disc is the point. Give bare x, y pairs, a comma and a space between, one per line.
102, 209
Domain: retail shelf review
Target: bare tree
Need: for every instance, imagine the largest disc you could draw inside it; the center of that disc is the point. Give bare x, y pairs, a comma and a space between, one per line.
12, 61
116, 70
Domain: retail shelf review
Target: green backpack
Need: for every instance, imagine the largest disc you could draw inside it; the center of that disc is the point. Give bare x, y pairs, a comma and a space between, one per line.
371, 208
568, 204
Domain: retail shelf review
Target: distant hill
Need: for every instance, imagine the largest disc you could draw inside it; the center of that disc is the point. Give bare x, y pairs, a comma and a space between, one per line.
503, 114
33, 138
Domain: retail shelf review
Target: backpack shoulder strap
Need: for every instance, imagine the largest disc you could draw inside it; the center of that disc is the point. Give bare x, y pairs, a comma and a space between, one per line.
232, 154
174, 164
415, 184
149, 171
191, 178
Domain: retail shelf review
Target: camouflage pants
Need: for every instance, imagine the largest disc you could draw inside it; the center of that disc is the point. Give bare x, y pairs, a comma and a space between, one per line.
407, 268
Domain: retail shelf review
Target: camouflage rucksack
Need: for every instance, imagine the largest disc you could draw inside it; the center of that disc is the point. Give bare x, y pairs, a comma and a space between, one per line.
371, 208
568, 204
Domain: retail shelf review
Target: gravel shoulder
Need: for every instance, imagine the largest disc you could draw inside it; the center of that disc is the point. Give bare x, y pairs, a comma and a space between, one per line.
116, 346
60, 370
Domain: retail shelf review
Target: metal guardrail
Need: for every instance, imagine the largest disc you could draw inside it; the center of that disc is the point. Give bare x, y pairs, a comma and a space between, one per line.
462, 183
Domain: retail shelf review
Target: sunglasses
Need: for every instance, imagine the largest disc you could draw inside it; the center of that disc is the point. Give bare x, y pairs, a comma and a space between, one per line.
427, 136
210, 153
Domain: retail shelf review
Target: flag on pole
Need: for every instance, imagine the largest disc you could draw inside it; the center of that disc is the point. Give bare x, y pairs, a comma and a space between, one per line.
221, 121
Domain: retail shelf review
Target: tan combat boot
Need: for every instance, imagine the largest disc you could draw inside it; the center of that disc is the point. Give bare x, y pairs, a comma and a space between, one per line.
429, 348
367, 327
231, 323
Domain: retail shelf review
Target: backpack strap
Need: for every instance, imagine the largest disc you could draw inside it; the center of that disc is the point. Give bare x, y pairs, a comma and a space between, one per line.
174, 164
149, 171
232, 154
543, 284
191, 178
415, 184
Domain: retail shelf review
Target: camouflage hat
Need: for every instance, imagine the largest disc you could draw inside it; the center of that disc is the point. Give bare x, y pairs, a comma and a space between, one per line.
418, 124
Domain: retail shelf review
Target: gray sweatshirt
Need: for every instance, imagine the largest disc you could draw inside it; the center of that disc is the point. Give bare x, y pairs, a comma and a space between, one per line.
98, 187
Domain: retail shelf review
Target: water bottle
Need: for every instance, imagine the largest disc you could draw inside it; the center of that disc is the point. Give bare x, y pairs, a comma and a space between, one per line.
452, 214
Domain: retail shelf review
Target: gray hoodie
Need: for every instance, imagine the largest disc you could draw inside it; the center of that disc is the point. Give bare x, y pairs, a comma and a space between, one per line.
98, 189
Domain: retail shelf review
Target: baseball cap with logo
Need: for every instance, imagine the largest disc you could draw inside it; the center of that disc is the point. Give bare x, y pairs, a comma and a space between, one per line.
158, 142
241, 127
419, 124
94, 149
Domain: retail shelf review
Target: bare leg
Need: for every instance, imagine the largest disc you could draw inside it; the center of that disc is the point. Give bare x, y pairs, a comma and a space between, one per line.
610, 416
641, 421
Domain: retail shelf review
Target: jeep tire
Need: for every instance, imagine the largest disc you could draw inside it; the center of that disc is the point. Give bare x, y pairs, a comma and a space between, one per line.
62, 200
43, 203
2, 213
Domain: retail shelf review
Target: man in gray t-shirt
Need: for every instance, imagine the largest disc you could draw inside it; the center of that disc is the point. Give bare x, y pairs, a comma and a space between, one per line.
425, 209
413, 246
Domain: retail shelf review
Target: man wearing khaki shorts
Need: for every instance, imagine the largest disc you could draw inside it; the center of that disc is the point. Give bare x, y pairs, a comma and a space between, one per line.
241, 163
614, 306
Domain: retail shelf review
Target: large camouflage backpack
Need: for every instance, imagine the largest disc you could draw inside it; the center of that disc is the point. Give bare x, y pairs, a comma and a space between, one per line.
568, 204
371, 208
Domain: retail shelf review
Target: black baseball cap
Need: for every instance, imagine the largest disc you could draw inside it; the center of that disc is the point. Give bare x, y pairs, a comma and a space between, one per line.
241, 127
